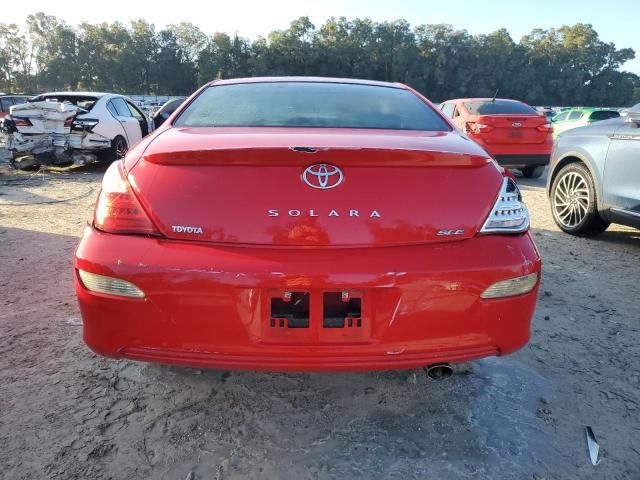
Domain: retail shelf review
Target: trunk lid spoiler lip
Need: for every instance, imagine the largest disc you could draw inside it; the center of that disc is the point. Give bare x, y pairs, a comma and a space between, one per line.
274, 156
186, 146
530, 119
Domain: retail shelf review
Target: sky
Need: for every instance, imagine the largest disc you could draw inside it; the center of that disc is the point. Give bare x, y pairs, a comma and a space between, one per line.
615, 21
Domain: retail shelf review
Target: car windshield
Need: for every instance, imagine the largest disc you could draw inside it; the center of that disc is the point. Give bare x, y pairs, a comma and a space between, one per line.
84, 102
310, 104
499, 107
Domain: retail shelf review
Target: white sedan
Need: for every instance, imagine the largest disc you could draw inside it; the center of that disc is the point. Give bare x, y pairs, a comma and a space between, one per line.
79, 127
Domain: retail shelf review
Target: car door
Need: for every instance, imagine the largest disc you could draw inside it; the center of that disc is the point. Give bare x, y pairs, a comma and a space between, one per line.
573, 120
140, 117
621, 187
130, 124
576, 119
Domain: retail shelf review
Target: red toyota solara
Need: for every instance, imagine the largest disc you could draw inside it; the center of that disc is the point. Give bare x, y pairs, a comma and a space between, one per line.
307, 224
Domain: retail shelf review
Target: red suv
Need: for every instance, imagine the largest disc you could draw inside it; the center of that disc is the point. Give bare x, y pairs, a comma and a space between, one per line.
514, 133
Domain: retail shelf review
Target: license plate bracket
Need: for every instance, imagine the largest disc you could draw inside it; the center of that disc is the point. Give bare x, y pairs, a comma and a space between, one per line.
316, 316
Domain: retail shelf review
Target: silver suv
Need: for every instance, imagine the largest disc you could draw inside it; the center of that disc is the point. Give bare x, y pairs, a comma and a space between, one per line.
594, 177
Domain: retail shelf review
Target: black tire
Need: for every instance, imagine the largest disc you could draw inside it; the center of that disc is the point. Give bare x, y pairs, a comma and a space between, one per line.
533, 172
573, 201
117, 151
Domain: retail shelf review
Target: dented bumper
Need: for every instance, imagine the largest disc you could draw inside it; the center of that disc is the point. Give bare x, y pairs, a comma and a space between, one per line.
80, 147
221, 307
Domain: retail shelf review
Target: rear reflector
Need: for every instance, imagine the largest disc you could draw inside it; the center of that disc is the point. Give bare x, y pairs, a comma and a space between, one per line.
118, 210
511, 287
109, 285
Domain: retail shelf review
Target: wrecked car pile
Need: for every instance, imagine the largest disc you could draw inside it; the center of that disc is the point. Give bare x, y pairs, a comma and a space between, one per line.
72, 128
49, 131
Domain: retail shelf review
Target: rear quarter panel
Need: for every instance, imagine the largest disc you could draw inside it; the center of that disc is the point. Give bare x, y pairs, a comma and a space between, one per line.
108, 125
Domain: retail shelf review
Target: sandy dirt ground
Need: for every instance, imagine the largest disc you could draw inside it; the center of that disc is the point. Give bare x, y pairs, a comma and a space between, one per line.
66, 413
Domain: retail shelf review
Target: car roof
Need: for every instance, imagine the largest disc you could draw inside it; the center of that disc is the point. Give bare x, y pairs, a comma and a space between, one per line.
307, 79
482, 99
587, 110
597, 109
78, 94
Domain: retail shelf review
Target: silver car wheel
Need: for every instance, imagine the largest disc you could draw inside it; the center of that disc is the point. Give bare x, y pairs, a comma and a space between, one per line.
571, 199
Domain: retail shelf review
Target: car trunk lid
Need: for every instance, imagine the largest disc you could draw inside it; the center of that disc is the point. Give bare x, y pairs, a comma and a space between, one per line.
44, 117
247, 186
513, 129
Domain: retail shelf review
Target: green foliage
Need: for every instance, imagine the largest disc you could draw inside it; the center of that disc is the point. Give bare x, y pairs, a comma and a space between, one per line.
569, 65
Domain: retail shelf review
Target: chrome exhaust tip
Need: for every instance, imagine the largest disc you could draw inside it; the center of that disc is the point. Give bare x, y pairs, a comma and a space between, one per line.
439, 371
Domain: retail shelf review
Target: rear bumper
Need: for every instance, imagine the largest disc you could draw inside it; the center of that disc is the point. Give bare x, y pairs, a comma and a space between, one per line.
37, 143
518, 155
520, 161
209, 306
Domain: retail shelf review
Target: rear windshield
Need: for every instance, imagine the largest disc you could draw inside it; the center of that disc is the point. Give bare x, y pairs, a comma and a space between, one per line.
604, 114
499, 107
86, 103
310, 104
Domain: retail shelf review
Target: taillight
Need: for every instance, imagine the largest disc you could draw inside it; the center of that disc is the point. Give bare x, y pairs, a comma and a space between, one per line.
68, 122
118, 210
474, 127
21, 122
82, 124
546, 128
509, 213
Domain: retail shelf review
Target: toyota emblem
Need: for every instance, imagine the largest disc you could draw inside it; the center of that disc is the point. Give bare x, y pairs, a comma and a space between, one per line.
322, 176
517, 124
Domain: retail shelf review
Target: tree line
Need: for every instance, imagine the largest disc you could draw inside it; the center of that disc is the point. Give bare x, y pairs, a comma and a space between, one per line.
569, 65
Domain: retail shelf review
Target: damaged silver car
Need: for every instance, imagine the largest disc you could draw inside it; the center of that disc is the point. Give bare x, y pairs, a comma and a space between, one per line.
62, 128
